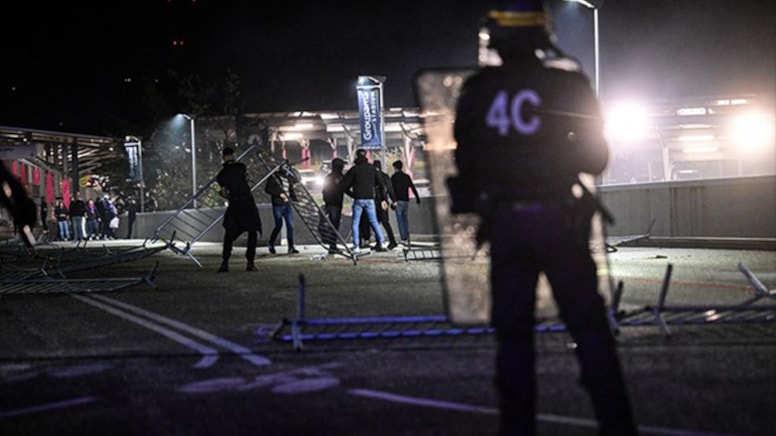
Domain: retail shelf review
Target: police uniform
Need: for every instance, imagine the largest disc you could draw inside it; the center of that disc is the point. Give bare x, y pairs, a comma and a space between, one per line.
525, 130
241, 214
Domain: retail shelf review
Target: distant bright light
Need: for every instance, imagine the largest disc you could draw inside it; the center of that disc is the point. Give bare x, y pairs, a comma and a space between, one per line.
751, 131
626, 122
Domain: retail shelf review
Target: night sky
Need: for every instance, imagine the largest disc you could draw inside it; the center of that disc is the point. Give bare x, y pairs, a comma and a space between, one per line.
77, 66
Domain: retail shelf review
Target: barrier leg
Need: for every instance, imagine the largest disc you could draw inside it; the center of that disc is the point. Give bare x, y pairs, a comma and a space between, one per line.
296, 325
658, 311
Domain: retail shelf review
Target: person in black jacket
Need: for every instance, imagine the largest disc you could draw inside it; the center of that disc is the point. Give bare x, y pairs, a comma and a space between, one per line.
525, 130
402, 184
62, 216
77, 211
241, 213
280, 187
385, 198
333, 194
360, 182
131, 216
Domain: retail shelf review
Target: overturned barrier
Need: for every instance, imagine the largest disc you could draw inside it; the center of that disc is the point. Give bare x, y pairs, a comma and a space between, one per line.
301, 329
45, 271
662, 314
61, 285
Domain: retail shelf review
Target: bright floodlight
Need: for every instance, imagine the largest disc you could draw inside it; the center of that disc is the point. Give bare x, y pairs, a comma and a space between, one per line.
626, 122
752, 131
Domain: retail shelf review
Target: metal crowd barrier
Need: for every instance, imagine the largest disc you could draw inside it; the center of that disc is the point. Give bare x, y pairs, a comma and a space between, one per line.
306, 207
61, 260
188, 224
662, 314
301, 329
53, 284
44, 269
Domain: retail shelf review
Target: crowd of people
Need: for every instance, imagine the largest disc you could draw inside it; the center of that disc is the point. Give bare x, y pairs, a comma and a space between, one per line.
373, 192
78, 220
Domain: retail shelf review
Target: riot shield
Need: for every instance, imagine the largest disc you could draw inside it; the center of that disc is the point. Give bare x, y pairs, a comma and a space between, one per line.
466, 267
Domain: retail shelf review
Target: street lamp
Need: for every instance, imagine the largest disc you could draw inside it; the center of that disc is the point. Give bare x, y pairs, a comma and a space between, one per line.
594, 5
193, 160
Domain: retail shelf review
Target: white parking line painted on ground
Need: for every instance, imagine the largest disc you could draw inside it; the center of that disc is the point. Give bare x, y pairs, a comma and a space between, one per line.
46, 407
210, 355
237, 349
556, 419
425, 402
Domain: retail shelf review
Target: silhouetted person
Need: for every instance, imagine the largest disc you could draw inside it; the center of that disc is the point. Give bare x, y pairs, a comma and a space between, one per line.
77, 210
280, 187
385, 197
360, 182
131, 216
519, 154
241, 213
62, 215
402, 184
333, 195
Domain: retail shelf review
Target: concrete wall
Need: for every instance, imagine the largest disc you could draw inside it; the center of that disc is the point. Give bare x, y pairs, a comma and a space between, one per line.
421, 222
736, 207
739, 207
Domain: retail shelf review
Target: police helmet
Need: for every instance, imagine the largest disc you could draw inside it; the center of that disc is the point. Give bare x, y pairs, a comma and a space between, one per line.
515, 25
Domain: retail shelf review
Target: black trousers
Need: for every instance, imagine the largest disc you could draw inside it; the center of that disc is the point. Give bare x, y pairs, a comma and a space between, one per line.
230, 235
334, 214
382, 217
539, 239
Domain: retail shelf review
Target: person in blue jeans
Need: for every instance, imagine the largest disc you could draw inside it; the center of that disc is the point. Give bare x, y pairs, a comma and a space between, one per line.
402, 184
62, 215
280, 187
360, 182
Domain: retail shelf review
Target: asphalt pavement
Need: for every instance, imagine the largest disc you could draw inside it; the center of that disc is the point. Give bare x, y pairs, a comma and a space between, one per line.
193, 354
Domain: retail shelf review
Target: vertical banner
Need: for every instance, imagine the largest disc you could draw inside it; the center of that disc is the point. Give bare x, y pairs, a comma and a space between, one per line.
369, 109
132, 149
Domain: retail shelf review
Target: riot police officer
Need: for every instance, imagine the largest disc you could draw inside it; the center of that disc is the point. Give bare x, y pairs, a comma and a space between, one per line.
525, 130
